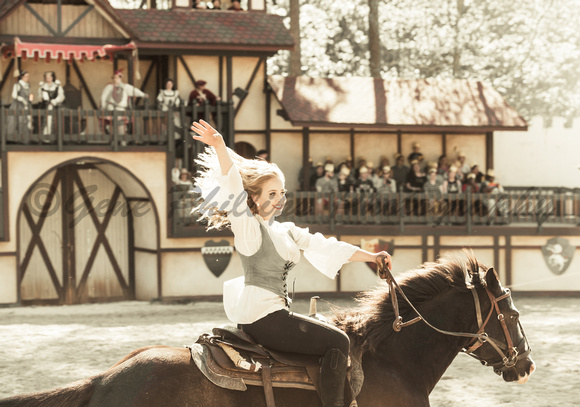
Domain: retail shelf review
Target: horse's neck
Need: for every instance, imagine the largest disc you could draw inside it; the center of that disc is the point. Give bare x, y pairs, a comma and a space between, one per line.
421, 354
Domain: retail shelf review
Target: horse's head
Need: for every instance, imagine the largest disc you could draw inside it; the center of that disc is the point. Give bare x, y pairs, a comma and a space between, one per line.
504, 345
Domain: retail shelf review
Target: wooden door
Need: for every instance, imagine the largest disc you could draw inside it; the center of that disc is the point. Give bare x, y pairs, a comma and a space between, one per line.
75, 240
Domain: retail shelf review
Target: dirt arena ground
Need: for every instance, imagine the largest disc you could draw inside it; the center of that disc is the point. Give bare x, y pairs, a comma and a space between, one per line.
44, 347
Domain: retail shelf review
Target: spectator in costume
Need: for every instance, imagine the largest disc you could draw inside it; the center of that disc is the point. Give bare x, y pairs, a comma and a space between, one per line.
22, 98
117, 96
51, 96
168, 97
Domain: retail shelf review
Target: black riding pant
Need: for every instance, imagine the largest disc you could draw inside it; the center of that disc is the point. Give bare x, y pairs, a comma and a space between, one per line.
286, 331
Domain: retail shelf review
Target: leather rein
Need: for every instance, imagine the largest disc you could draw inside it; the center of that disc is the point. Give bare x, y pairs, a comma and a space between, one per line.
508, 353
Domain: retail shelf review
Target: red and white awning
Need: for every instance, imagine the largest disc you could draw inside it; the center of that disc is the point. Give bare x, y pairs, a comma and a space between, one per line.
59, 52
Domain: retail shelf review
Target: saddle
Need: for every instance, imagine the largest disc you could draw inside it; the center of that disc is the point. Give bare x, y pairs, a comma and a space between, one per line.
231, 359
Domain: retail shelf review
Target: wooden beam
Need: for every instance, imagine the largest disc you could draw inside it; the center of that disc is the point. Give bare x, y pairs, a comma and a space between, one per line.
59, 17
191, 77
249, 84
42, 21
77, 20
148, 74
229, 75
221, 76
6, 74
268, 133
89, 95
488, 150
305, 154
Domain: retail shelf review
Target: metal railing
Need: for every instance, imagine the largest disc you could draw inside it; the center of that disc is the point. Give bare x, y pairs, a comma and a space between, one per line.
145, 127
531, 207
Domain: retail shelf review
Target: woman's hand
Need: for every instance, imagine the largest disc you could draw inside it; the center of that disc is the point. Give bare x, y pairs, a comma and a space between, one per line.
207, 134
383, 260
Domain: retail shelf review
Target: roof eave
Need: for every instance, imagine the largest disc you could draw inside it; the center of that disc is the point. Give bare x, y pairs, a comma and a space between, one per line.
411, 128
270, 49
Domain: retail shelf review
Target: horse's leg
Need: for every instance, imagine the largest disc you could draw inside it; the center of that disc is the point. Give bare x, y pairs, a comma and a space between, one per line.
158, 376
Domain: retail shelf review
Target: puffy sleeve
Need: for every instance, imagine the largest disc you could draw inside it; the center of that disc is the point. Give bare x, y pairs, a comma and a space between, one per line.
327, 255
226, 192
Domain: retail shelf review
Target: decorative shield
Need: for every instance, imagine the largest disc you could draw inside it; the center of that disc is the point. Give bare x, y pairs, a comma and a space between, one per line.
217, 256
377, 245
558, 254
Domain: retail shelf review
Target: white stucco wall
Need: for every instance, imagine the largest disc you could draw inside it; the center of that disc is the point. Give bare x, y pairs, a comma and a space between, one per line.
542, 156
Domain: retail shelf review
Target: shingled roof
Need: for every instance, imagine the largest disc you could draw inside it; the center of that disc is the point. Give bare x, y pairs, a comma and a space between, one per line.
207, 30
421, 105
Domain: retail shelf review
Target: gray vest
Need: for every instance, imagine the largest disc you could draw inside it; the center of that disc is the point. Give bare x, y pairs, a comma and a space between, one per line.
266, 268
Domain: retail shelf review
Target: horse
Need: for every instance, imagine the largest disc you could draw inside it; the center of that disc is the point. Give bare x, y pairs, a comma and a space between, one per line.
456, 304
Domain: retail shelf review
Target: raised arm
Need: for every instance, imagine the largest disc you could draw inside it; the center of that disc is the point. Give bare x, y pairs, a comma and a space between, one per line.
211, 137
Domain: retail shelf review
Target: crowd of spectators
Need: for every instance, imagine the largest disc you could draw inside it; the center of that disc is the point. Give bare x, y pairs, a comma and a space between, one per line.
414, 175
411, 175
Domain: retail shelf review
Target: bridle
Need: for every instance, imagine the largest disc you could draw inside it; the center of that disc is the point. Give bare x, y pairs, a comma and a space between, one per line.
509, 354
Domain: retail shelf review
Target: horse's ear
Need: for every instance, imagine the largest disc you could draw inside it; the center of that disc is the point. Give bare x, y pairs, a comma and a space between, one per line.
492, 279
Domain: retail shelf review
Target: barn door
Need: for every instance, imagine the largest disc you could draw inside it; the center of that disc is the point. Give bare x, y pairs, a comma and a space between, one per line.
75, 244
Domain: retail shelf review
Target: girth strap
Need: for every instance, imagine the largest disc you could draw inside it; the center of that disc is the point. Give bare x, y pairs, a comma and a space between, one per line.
267, 383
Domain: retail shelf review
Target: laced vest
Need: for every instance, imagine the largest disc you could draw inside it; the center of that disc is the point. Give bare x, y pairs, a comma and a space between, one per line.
266, 268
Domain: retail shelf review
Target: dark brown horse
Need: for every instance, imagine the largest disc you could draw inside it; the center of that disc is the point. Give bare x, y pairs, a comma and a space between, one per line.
455, 295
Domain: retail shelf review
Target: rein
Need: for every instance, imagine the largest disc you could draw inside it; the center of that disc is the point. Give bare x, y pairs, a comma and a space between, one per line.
478, 339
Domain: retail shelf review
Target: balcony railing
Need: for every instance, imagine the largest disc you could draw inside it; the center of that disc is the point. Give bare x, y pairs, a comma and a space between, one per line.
135, 127
531, 207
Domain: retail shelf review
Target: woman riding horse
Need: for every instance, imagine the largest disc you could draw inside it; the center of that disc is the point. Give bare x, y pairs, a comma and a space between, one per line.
249, 195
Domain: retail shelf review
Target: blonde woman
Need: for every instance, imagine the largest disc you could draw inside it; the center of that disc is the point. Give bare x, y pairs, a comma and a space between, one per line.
246, 196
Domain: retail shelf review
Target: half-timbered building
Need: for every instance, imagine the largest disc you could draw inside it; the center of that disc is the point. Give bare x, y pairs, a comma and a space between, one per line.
89, 209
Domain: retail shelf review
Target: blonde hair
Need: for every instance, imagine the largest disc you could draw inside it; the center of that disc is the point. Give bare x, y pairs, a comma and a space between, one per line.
254, 173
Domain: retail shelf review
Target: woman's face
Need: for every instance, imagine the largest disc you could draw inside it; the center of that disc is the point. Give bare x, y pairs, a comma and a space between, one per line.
26, 77
272, 199
169, 85
416, 167
48, 77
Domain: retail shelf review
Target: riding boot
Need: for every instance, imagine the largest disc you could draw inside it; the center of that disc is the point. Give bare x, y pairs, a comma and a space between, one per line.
332, 378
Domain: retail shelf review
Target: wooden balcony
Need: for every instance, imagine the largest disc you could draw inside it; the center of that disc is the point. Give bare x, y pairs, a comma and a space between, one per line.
68, 129
533, 208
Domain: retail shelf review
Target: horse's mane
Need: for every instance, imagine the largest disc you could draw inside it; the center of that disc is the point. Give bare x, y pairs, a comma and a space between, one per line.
371, 322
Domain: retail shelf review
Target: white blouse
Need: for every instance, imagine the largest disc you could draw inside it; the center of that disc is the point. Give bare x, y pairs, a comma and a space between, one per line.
245, 304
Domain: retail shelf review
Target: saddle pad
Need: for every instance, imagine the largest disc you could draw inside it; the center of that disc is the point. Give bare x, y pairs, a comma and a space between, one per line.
220, 370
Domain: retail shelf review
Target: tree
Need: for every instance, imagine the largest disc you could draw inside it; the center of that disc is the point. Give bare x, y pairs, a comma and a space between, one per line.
374, 39
296, 55
528, 50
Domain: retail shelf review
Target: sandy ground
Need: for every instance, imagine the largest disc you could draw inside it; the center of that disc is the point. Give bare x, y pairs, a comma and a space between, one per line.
44, 347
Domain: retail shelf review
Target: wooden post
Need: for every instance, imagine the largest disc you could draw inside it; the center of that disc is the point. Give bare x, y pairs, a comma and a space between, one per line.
305, 154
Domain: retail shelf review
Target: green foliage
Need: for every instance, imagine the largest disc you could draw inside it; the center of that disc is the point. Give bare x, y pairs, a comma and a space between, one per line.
528, 50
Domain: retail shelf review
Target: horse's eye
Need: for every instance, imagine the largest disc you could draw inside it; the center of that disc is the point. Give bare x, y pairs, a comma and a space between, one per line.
514, 318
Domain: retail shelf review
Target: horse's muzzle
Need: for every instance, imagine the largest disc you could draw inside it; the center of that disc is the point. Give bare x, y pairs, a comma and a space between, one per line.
521, 372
